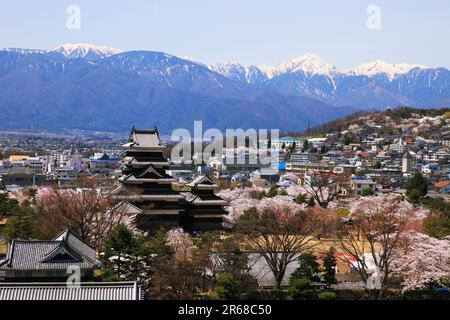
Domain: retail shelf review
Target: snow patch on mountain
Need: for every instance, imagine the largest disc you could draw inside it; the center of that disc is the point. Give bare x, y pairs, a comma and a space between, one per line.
83, 50
236, 71
380, 67
24, 51
310, 64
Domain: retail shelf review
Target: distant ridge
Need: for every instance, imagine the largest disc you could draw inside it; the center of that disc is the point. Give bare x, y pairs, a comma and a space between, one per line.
89, 87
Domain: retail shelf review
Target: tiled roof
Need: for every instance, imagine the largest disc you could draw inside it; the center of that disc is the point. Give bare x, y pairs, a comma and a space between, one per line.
200, 179
442, 184
61, 291
144, 139
34, 255
203, 198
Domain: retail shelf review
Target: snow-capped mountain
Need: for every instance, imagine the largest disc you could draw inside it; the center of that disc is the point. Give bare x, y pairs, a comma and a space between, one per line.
73, 51
104, 88
370, 85
380, 67
310, 64
143, 88
24, 51
86, 51
236, 71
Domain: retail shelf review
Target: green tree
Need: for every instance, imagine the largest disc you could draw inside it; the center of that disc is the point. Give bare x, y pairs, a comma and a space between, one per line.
366, 192
301, 289
305, 146
301, 199
206, 239
416, 188
18, 227
234, 278
31, 192
308, 268
293, 146
7, 205
228, 287
329, 264
347, 140
414, 196
272, 192
126, 256
437, 222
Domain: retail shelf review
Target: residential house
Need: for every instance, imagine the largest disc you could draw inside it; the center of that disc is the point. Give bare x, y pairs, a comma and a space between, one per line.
443, 187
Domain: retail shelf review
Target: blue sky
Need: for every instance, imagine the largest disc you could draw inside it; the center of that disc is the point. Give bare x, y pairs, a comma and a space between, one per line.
248, 31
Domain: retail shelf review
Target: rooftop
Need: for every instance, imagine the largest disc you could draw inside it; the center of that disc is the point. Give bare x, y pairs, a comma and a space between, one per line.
61, 291
58, 254
144, 139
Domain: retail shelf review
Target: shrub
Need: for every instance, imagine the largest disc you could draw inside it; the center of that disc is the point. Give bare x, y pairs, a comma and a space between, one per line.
327, 295
301, 289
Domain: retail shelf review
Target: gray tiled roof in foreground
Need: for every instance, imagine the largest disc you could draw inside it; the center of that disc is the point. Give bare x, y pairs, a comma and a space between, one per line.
60, 291
32, 254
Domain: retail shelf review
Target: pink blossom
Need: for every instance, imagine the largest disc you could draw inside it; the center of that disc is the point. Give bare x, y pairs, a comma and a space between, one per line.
423, 261
180, 242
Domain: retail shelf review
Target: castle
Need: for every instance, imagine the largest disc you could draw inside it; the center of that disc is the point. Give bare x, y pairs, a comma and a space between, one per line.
147, 190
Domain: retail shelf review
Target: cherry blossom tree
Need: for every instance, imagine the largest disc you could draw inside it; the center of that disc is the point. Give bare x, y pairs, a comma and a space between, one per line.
422, 261
92, 212
325, 187
377, 230
278, 233
181, 243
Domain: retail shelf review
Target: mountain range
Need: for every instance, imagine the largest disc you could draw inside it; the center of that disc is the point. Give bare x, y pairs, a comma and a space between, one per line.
80, 86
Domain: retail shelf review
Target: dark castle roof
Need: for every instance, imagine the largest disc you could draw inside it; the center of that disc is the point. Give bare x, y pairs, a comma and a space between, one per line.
144, 139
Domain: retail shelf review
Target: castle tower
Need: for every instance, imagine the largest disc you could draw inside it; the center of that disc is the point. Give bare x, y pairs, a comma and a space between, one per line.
146, 190
145, 185
204, 209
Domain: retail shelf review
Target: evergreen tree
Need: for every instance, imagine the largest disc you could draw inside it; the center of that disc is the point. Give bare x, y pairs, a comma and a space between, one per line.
417, 188
272, 192
329, 263
125, 255
367, 192
301, 199
18, 227
437, 222
293, 146
305, 146
8, 205
309, 268
301, 289
234, 279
